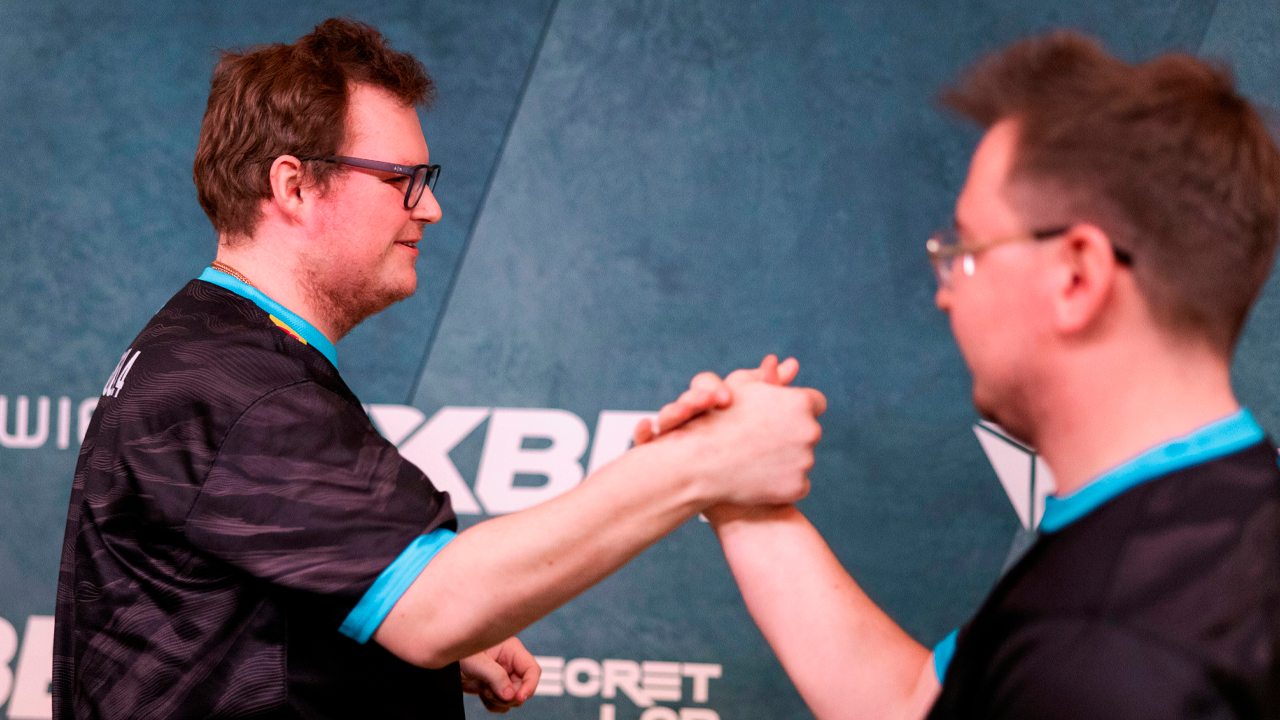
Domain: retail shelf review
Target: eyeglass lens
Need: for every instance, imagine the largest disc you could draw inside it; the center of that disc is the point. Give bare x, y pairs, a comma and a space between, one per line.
942, 270
942, 264
424, 178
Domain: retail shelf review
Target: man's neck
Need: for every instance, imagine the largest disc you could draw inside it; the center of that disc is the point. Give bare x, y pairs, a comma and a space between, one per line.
275, 275
1113, 406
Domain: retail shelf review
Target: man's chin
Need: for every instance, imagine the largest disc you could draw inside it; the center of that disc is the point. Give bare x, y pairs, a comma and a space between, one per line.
390, 296
347, 307
991, 410
402, 291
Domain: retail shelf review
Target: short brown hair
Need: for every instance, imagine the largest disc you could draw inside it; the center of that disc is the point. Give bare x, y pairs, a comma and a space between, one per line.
274, 100
1164, 156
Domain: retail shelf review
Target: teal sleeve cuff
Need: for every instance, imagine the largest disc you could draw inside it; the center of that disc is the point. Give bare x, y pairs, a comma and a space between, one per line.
942, 654
391, 584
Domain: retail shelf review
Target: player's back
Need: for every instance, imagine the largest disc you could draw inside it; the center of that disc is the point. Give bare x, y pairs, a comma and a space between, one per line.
1162, 602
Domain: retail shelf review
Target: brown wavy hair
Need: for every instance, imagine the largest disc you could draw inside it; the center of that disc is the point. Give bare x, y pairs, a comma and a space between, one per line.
1165, 156
273, 100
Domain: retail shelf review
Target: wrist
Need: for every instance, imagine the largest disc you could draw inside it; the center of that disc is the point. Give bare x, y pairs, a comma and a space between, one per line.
722, 514
671, 464
725, 517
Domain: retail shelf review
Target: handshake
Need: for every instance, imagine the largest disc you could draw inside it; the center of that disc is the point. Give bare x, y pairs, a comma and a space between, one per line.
748, 438
734, 449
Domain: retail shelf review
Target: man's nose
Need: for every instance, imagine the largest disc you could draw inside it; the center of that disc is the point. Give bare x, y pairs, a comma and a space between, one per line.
943, 299
427, 210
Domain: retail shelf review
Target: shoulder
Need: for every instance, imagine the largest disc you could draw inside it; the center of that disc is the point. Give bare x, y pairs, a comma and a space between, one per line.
208, 342
307, 421
1165, 593
200, 363
1200, 571
1174, 542
1200, 556
1073, 667
231, 332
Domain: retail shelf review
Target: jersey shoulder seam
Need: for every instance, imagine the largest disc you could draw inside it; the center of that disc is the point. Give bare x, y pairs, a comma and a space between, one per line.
1097, 619
231, 428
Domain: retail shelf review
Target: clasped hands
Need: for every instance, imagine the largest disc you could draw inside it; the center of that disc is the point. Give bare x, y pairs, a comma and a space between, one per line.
755, 434
749, 438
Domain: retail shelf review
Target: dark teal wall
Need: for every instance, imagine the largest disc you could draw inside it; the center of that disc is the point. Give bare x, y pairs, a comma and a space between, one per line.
633, 192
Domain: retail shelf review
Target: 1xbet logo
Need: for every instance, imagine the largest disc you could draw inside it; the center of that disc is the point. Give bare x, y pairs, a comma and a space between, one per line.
562, 438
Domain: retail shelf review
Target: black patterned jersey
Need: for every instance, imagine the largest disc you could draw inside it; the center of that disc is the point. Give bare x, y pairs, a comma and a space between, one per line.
1157, 597
232, 504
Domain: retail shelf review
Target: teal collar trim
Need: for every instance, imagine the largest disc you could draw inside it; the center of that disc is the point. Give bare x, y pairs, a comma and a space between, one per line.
279, 313
1217, 439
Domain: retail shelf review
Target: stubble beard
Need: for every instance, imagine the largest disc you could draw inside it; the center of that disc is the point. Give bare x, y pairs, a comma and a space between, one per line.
1008, 409
343, 298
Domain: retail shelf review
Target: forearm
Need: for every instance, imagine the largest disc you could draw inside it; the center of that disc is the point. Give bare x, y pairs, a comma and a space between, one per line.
499, 576
844, 654
502, 575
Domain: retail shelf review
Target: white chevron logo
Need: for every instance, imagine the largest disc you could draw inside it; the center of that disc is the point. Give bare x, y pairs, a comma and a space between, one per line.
1025, 476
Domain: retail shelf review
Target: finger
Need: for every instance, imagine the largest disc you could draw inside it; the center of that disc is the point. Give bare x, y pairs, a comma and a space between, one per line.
706, 381
817, 401
692, 402
529, 672
522, 668
787, 370
721, 396
697, 398
499, 705
769, 369
493, 704
644, 431
724, 396
526, 675
672, 416
738, 377
493, 674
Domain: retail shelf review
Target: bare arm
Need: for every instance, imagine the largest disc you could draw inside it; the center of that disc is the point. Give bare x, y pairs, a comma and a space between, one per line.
847, 658
501, 575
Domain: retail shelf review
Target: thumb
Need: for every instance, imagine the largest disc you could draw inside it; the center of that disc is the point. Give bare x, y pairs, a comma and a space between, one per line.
769, 370
817, 401
787, 370
493, 674
644, 431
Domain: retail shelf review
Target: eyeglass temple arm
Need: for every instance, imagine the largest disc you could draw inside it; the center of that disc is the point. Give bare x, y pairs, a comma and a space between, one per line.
373, 165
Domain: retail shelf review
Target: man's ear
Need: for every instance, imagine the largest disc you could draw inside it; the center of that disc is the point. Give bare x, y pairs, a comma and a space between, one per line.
1086, 278
288, 181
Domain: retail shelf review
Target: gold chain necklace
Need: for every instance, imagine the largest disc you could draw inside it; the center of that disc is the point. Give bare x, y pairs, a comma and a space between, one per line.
223, 267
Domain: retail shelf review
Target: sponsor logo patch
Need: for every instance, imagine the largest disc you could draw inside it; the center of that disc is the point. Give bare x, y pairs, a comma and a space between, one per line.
285, 327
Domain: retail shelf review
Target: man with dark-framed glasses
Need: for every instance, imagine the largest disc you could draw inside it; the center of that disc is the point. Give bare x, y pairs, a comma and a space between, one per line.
1116, 225
421, 177
240, 541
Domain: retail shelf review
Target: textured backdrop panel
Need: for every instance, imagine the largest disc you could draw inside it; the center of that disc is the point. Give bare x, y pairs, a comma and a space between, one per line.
632, 192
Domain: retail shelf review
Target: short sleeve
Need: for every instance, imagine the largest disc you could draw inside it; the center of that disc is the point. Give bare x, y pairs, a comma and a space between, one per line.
1081, 668
306, 495
942, 654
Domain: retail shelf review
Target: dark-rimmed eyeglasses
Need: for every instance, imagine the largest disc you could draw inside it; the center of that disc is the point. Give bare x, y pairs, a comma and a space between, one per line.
420, 176
945, 247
